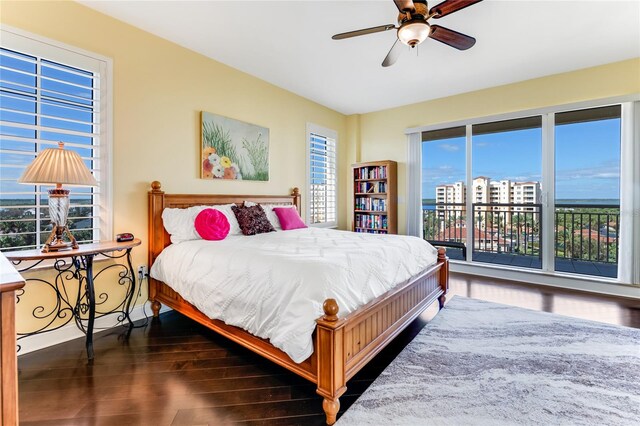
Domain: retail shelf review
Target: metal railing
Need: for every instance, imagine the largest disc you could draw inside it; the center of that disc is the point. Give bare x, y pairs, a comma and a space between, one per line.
445, 223
586, 232
508, 228
440, 222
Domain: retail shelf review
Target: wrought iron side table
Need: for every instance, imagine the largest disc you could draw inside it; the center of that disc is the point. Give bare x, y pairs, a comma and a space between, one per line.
77, 264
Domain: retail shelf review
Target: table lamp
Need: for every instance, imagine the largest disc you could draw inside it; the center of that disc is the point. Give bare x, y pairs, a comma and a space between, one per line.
58, 166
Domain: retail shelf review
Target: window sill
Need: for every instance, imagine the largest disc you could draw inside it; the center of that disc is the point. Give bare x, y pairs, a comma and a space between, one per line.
600, 285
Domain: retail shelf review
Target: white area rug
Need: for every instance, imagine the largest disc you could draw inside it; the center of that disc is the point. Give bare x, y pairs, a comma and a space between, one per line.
481, 363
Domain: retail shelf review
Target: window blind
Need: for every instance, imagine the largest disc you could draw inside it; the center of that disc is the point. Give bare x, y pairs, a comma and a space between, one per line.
43, 102
322, 179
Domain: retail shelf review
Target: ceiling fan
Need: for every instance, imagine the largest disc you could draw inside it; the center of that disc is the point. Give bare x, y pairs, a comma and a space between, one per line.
413, 27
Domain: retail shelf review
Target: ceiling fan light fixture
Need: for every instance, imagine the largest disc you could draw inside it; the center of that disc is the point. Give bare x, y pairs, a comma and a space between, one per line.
413, 33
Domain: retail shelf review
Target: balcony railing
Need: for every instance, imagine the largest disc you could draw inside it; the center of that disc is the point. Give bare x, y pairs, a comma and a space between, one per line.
587, 232
507, 228
445, 222
585, 235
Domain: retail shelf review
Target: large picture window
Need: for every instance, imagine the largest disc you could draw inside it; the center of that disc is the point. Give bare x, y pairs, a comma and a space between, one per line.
537, 191
322, 176
50, 94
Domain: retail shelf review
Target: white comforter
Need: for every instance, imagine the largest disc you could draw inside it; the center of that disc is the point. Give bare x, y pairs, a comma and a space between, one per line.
273, 285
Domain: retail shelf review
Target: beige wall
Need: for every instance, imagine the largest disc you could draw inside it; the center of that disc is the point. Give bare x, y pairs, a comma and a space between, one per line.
159, 90
382, 133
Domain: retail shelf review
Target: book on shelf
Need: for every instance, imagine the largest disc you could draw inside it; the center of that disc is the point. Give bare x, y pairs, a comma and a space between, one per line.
371, 172
371, 221
371, 187
372, 231
374, 204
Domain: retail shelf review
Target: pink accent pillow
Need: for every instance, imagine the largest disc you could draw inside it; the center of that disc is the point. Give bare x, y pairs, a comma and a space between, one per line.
289, 218
212, 225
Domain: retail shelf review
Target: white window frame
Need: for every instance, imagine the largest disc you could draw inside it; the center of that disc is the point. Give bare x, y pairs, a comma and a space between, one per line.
629, 200
36, 45
332, 134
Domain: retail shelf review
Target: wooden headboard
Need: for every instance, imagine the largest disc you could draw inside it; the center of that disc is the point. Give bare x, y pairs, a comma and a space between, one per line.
158, 201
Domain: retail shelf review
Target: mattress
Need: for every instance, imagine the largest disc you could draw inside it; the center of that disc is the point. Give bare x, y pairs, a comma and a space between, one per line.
273, 285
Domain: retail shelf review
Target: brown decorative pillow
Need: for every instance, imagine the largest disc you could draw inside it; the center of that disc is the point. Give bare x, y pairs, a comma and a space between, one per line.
252, 220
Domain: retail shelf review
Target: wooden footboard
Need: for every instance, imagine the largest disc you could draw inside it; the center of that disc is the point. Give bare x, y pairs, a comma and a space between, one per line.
342, 345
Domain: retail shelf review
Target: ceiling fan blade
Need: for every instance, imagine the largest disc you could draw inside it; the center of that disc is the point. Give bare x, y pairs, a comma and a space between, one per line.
451, 38
449, 6
405, 6
393, 54
364, 31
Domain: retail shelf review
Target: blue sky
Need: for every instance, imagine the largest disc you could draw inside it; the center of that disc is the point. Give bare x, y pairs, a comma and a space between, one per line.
587, 159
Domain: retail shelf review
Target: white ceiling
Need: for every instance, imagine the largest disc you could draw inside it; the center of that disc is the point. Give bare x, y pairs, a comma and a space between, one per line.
288, 43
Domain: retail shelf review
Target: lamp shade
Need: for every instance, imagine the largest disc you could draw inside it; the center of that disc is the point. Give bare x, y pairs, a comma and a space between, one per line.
58, 166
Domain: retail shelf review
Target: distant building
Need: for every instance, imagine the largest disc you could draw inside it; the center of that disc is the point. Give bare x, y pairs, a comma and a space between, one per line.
505, 192
497, 195
453, 196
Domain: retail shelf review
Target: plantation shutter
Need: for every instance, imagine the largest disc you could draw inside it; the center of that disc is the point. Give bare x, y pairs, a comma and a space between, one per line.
322, 178
42, 102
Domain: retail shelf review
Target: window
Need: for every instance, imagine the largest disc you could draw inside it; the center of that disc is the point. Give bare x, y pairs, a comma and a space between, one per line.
321, 176
587, 191
547, 189
48, 94
443, 165
507, 159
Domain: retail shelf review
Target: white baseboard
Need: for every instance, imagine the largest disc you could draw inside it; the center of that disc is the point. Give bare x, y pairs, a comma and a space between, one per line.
71, 331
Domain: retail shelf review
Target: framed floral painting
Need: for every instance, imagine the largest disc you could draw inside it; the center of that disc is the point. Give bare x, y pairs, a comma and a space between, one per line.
233, 149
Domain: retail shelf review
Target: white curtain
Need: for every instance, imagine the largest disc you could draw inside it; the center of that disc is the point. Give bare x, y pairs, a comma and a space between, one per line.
629, 238
414, 185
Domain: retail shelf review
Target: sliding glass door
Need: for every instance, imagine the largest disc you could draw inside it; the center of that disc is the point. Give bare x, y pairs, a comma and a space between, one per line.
443, 188
587, 191
540, 191
506, 197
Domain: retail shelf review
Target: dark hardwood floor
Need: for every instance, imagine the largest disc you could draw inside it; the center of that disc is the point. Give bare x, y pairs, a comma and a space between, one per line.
176, 372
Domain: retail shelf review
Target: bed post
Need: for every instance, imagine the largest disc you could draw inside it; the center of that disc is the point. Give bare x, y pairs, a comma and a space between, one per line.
296, 199
156, 237
443, 278
331, 359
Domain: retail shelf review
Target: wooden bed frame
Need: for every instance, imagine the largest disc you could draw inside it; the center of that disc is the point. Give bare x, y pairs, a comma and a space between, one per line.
342, 345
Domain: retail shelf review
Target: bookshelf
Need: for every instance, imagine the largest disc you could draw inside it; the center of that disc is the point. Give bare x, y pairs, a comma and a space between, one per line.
375, 207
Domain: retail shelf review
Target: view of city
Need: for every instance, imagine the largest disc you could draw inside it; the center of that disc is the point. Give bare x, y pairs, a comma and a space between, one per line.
506, 192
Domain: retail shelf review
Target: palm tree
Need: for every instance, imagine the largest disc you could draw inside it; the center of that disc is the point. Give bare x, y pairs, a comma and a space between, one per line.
519, 221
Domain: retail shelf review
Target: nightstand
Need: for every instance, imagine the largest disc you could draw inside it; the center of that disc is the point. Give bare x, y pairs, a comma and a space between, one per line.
78, 265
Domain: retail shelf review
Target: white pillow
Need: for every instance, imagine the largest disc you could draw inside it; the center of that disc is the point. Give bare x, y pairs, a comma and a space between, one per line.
271, 215
180, 223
